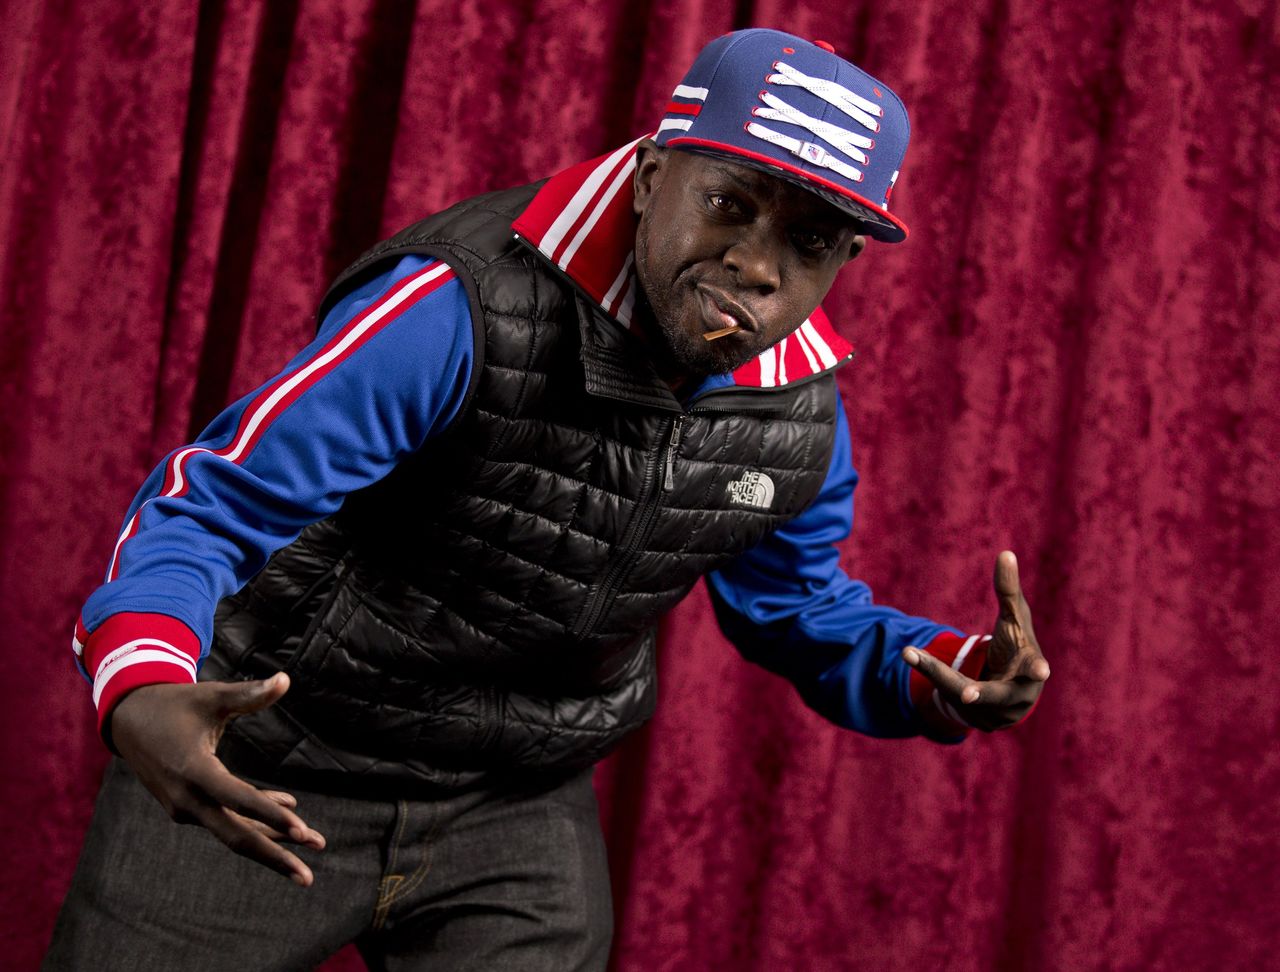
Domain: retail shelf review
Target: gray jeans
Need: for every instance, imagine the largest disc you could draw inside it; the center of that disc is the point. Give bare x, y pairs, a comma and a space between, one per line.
475, 881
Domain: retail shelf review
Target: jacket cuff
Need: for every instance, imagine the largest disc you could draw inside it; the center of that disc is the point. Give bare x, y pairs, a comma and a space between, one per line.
132, 649
967, 655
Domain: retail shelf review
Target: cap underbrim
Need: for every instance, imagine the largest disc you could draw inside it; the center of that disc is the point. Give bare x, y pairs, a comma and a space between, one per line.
877, 223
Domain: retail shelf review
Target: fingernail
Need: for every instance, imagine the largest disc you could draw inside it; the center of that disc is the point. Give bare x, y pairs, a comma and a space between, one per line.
299, 880
911, 657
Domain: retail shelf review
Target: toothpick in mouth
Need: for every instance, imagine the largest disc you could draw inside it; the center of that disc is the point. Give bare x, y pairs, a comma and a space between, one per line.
723, 332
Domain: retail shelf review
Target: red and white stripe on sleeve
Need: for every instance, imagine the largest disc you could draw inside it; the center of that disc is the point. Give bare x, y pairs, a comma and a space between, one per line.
966, 655
125, 649
131, 649
276, 396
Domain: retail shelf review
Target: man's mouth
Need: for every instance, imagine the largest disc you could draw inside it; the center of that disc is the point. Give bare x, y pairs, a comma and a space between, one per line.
720, 311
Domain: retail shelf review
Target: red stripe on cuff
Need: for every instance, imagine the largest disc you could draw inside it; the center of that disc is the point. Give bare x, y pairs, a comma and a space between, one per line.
945, 647
127, 626
120, 630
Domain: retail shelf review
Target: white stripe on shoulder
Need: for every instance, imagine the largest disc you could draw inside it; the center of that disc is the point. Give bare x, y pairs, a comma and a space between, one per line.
819, 344
618, 281
580, 200
264, 412
814, 367
768, 368
619, 180
628, 304
124, 535
384, 308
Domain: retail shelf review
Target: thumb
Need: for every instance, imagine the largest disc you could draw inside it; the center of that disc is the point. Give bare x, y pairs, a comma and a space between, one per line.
241, 698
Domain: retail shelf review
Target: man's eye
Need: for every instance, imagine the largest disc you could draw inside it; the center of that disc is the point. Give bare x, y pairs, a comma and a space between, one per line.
726, 204
811, 242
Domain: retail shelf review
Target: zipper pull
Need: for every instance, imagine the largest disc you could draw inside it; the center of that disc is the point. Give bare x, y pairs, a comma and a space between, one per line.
673, 444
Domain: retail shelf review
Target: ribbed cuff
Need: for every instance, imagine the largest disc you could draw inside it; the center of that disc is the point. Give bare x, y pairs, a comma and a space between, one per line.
965, 654
132, 649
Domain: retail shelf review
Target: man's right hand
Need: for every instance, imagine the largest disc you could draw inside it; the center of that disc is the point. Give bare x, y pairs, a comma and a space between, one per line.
169, 734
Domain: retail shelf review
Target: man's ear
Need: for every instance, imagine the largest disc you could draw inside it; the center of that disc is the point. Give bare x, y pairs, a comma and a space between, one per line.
856, 246
650, 161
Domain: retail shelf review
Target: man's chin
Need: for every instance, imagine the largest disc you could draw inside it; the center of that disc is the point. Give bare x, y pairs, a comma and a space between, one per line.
699, 358
682, 352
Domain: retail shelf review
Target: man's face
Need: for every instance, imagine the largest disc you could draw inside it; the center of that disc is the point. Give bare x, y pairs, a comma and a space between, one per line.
720, 244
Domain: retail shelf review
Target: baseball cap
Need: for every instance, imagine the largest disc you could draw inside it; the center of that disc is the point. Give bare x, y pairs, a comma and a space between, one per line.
794, 109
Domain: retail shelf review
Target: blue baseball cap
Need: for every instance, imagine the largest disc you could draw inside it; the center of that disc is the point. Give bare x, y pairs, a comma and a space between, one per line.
794, 109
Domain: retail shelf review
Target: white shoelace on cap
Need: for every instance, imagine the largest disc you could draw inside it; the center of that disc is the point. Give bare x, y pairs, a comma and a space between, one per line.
805, 150
861, 110
846, 141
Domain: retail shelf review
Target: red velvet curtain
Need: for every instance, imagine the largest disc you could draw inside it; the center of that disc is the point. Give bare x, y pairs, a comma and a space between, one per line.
1074, 355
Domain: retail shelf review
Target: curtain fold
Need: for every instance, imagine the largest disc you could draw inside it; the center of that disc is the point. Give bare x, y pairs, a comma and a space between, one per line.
1075, 355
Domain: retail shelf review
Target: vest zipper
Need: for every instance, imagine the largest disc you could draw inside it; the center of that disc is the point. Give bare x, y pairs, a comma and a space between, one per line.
673, 446
659, 476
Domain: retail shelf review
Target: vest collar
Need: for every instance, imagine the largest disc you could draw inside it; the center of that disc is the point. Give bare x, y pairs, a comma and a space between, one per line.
582, 222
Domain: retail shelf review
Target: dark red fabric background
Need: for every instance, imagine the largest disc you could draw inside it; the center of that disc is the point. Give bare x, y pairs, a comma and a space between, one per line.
1074, 355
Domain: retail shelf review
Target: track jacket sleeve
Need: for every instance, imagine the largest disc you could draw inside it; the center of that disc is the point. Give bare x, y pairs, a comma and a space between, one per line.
787, 605
389, 368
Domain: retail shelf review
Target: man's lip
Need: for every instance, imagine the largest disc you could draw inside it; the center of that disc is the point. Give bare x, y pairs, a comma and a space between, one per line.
726, 305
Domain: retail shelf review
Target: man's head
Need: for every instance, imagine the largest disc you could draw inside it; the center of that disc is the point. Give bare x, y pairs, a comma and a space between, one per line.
719, 244
774, 162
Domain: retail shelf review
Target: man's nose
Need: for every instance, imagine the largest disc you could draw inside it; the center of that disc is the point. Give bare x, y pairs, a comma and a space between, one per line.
755, 261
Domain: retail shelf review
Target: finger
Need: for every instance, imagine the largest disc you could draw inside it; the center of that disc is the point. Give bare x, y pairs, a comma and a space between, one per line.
269, 832
946, 678
248, 842
266, 831
1008, 585
241, 698
217, 786
992, 693
280, 797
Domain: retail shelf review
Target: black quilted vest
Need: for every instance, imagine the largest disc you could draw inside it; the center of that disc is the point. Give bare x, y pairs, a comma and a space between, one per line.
487, 610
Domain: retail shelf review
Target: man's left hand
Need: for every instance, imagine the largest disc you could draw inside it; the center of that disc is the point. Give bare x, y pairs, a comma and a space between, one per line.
1016, 670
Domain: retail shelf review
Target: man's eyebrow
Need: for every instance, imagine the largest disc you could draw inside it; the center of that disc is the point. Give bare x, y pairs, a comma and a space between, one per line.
755, 182
724, 171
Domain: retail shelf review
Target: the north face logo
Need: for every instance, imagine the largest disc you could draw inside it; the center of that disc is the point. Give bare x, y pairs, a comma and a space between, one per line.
753, 489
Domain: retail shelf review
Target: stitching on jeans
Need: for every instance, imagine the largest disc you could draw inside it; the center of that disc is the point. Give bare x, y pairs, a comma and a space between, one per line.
414, 879
403, 808
420, 874
393, 887
387, 886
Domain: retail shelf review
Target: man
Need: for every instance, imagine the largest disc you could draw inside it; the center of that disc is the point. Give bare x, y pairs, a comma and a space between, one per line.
527, 426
